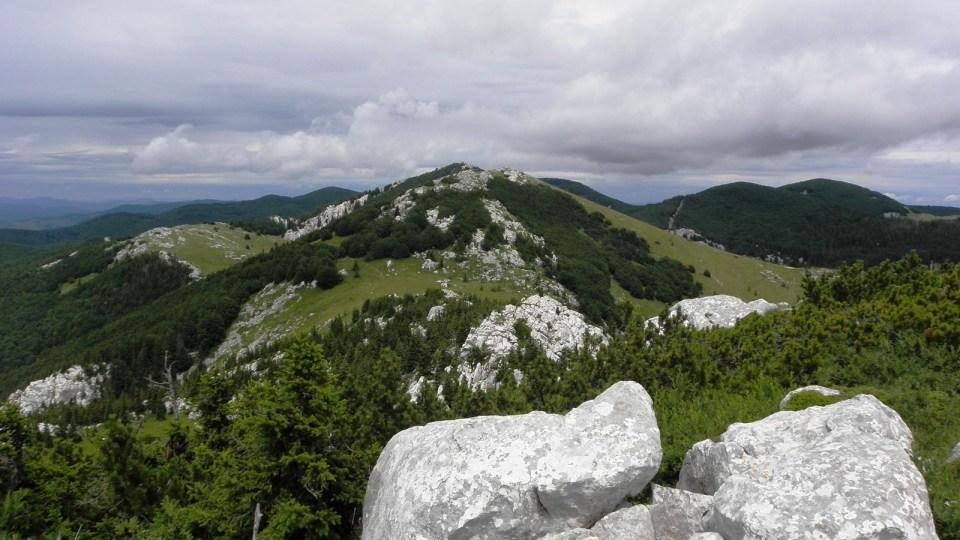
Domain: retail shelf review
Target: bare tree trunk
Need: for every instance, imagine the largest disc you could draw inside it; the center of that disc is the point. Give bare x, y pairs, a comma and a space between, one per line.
168, 385
257, 515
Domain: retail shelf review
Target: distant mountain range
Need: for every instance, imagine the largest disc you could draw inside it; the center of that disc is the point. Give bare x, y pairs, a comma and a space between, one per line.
820, 221
132, 219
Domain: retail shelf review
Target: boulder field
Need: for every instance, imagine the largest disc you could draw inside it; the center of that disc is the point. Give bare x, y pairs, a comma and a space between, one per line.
843, 471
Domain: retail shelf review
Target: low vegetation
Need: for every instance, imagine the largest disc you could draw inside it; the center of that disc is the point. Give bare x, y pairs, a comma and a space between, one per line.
300, 437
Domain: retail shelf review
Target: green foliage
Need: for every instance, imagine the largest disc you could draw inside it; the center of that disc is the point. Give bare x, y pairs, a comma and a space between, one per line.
301, 436
803, 400
819, 222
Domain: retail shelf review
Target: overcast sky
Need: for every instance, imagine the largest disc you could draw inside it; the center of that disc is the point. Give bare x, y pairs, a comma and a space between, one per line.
641, 99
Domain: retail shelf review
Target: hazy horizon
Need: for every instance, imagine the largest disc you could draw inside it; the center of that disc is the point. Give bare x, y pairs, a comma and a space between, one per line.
639, 100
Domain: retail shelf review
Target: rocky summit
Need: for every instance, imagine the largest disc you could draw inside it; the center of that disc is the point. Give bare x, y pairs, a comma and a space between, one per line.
515, 476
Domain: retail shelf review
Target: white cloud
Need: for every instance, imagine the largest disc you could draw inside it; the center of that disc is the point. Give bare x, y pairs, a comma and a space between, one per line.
617, 90
952, 198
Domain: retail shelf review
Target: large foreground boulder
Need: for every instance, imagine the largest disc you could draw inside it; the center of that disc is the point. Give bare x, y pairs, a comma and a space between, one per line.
514, 477
842, 472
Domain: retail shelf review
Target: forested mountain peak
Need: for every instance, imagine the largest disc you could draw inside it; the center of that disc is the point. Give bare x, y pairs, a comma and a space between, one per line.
819, 222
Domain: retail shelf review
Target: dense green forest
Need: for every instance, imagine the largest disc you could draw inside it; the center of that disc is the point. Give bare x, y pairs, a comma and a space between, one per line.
128, 222
817, 222
131, 312
299, 437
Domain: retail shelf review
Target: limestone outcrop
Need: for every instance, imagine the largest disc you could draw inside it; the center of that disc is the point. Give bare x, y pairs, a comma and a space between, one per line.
553, 326
719, 310
72, 385
327, 216
677, 514
521, 477
843, 471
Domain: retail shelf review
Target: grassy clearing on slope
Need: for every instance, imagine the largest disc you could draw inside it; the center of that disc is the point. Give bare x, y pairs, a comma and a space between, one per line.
312, 308
645, 308
732, 274
72, 285
212, 248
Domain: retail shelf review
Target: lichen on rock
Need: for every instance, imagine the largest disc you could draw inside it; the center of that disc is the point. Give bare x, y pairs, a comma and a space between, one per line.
519, 477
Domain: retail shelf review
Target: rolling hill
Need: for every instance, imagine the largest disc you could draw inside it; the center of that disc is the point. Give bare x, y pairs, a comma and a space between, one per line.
816, 222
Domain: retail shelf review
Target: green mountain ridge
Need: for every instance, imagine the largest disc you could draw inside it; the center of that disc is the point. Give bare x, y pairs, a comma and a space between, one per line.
817, 222
125, 223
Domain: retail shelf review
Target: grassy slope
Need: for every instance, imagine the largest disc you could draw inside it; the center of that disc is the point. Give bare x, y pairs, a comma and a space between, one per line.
314, 308
212, 248
732, 274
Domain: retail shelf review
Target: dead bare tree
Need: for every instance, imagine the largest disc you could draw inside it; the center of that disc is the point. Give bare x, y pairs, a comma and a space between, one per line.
168, 385
257, 515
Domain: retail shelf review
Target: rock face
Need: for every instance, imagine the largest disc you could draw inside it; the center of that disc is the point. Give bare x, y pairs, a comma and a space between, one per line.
70, 386
677, 514
822, 390
326, 217
520, 477
718, 310
631, 523
553, 326
841, 472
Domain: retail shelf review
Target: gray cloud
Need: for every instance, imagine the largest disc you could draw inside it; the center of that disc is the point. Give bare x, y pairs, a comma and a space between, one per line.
633, 97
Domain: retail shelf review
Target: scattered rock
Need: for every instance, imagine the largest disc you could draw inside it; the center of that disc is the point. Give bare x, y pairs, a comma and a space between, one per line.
72, 385
435, 313
954, 455
553, 326
632, 523
706, 536
433, 218
822, 390
678, 514
718, 310
519, 477
840, 471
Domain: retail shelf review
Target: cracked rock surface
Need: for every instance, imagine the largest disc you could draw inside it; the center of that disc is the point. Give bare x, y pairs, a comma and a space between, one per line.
519, 477
842, 472
718, 310
553, 326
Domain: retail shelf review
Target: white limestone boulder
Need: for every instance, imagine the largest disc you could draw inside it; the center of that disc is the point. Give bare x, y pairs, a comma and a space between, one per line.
73, 385
817, 389
553, 326
719, 310
843, 472
519, 477
631, 523
954, 454
677, 514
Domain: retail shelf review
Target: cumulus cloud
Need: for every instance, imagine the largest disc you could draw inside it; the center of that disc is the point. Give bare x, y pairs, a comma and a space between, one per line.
659, 91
